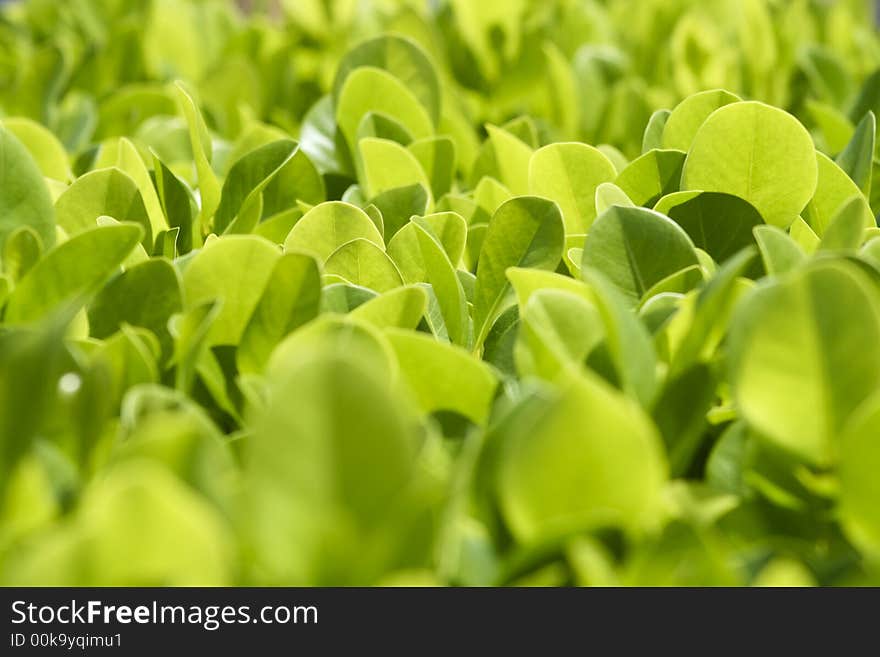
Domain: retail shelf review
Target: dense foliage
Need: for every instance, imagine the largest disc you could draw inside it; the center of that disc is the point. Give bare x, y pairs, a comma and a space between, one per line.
456, 292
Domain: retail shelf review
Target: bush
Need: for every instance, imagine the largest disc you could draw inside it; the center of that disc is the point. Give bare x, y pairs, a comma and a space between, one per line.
473, 294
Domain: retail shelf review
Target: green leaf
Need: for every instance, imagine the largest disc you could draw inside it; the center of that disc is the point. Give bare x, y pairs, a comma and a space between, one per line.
859, 485
437, 156
857, 158
514, 138
163, 425
661, 561
680, 415
846, 227
241, 198
569, 174
499, 345
146, 295
759, 153
399, 204
636, 248
833, 190
464, 206
190, 331
298, 180
523, 128
727, 460
455, 124
548, 483
24, 197
291, 298
784, 573
653, 136
791, 349
255, 136
236, 270
135, 257
475, 238
43, 146
512, 156
22, 250
5, 288
489, 194
618, 159
369, 89
402, 307
557, 330
376, 124
690, 114
105, 192
388, 165
178, 206
448, 228
572, 257
202, 151
720, 224
402, 58
447, 287
363, 263
870, 252
363, 357
868, 98
835, 129
527, 282
138, 524
321, 138
332, 334
327, 226
804, 236
130, 355
779, 252
125, 109
680, 282
563, 88
525, 231
711, 313
31, 362
654, 174
608, 194
827, 74
375, 215
129, 161
71, 271
626, 339
311, 477
443, 377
